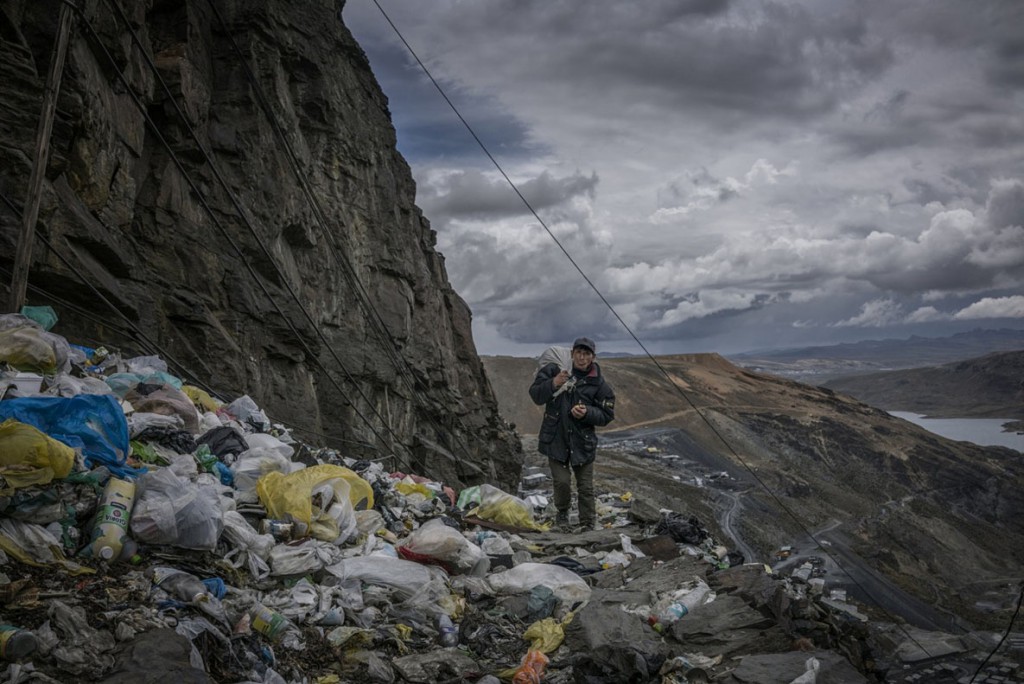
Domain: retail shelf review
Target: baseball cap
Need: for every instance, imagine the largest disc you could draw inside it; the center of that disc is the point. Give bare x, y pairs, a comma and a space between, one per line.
585, 342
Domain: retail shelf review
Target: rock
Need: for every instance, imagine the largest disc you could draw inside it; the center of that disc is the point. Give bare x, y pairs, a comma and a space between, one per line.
608, 643
783, 668
159, 656
117, 205
728, 626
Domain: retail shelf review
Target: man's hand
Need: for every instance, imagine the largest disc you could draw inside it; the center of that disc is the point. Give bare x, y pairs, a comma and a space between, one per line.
578, 411
560, 379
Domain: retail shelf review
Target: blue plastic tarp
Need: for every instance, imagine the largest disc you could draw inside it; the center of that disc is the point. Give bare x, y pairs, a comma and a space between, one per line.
93, 423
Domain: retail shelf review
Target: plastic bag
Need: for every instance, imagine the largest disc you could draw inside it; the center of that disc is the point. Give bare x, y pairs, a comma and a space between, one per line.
146, 365
250, 548
321, 498
170, 510
33, 545
443, 543
201, 398
501, 507
251, 466
167, 400
140, 421
299, 559
569, 587
560, 356
245, 411
93, 423
405, 577
65, 385
27, 347
28, 457
260, 440
45, 316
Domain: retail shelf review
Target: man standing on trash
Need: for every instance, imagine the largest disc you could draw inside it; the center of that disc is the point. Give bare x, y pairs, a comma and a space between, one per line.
574, 404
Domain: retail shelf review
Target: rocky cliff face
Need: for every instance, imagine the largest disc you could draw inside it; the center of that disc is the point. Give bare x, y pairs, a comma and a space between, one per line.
266, 254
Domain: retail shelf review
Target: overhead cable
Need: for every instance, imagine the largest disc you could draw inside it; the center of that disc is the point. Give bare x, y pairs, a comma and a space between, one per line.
623, 323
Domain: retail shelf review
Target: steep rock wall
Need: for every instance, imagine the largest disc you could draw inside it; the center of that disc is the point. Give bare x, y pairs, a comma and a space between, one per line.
207, 273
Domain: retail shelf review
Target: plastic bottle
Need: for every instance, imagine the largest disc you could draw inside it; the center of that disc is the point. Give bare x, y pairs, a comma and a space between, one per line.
112, 520
16, 643
188, 588
685, 604
449, 632
267, 622
531, 670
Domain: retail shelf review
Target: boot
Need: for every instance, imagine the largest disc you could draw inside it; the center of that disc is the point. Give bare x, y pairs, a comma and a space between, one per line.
562, 521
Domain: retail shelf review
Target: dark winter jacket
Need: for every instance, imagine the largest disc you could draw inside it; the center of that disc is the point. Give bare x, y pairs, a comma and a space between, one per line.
562, 437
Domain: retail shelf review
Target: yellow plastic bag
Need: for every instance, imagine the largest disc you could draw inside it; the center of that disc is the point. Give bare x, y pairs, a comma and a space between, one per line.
30, 457
291, 497
407, 488
201, 398
501, 507
545, 635
28, 348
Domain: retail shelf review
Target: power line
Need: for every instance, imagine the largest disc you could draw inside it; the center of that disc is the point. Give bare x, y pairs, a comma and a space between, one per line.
148, 345
213, 216
405, 372
625, 326
1006, 634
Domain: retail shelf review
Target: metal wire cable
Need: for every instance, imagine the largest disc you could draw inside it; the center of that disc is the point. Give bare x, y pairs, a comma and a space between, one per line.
148, 345
202, 200
623, 323
363, 299
1006, 634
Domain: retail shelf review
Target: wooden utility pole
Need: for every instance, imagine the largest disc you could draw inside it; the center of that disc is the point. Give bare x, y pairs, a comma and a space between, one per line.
23, 257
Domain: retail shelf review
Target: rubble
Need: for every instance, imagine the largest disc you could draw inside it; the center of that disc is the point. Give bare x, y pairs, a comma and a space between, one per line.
189, 542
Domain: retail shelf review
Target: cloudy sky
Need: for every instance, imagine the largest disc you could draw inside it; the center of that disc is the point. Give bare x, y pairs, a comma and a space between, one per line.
730, 175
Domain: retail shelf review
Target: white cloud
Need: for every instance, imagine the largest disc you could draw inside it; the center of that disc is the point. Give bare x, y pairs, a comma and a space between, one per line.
927, 314
875, 314
998, 307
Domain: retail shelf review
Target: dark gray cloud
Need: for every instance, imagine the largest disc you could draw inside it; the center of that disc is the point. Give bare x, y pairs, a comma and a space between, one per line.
770, 173
472, 194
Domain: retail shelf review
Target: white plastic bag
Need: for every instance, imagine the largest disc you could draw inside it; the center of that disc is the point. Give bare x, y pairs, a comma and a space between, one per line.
560, 356
309, 556
261, 440
139, 421
440, 542
250, 548
245, 411
171, 510
405, 577
64, 385
565, 584
251, 465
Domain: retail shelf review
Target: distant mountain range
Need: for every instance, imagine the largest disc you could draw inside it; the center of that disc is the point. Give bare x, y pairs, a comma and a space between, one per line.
990, 386
819, 364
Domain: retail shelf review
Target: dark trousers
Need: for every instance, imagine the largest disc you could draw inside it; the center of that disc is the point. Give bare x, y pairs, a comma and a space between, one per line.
562, 474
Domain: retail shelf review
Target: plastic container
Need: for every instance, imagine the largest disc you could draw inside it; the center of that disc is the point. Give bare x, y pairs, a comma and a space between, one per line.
267, 622
111, 530
531, 670
682, 606
16, 643
26, 384
449, 632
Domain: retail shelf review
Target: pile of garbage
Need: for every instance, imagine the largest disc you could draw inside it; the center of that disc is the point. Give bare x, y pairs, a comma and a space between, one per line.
152, 532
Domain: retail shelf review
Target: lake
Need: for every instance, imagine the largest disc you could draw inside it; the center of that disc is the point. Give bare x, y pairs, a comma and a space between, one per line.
983, 431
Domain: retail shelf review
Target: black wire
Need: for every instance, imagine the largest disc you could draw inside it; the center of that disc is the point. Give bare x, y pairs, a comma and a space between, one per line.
202, 200
377, 324
1009, 628
625, 326
148, 346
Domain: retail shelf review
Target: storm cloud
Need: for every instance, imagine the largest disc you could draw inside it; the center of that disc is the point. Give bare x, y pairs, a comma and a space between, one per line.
728, 175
